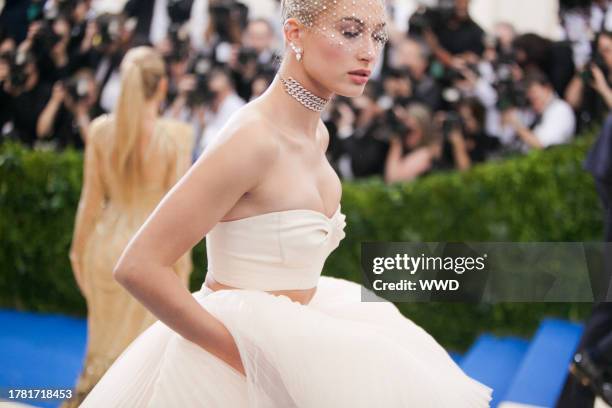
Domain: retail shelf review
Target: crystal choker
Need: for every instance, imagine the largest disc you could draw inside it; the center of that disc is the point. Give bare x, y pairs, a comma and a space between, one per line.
303, 95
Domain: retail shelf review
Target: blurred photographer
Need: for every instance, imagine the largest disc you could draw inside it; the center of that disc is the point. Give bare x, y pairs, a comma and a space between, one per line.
397, 87
177, 57
24, 95
228, 20
262, 81
68, 113
464, 132
222, 102
7, 48
47, 39
188, 91
553, 58
589, 91
358, 134
554, 119
449, 32
259, 37
412, 54
112, 36
154, 19
417, 150
256, 53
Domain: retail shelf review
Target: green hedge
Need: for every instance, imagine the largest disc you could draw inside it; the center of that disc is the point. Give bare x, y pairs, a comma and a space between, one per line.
543, 196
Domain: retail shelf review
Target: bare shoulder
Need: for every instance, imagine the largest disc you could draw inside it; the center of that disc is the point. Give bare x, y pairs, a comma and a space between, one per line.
248, 138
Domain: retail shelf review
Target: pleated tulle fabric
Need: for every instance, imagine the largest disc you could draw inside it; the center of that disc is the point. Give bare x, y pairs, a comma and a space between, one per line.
334, 352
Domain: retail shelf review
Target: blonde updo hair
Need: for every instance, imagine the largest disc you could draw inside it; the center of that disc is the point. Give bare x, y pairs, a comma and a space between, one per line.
306, 12
142, 69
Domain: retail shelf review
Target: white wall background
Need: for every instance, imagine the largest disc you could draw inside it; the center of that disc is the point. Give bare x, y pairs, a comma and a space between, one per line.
539, 16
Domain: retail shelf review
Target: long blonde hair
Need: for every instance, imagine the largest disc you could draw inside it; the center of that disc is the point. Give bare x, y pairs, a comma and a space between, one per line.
142, 69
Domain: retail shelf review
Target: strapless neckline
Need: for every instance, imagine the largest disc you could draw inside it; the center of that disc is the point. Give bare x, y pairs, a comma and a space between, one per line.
291, 211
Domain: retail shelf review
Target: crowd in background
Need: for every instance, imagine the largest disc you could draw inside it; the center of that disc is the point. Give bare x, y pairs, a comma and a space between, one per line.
445, 95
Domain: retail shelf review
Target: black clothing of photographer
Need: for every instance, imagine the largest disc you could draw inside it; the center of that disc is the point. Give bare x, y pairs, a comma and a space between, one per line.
69, 128
415, 148
449, 32
589, 93
411, 56
466, 141
355, 149
178, 12
24, 96
460, 34
555, 59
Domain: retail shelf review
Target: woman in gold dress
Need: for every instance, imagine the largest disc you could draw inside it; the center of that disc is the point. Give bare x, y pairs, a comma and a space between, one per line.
132, 158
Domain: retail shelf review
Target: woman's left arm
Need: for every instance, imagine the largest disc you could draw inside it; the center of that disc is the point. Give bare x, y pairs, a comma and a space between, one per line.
90, 204
185, 145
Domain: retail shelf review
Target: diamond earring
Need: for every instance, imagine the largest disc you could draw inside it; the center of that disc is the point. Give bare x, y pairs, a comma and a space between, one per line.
298, 52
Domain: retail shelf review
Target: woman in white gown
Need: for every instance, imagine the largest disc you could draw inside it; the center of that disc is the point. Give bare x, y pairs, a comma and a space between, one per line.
266, 330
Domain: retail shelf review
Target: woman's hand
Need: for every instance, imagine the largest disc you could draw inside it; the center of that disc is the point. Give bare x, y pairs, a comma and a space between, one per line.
599, 80
600, 84
231, 355
456, 137
58, 94
511, 118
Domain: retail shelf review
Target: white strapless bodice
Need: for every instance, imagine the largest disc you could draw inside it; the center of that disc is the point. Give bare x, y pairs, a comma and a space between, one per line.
280, 250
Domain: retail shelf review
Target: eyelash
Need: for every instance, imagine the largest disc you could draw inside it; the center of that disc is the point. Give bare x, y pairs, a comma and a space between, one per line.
350, 34
381, 38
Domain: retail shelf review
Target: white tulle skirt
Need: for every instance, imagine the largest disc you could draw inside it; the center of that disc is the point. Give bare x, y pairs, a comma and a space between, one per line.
334, 352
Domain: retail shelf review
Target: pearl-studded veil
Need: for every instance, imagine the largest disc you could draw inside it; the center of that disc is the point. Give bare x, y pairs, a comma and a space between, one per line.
349, 24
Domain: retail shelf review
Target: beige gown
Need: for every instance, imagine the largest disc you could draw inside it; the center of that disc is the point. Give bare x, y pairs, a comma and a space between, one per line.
115, 318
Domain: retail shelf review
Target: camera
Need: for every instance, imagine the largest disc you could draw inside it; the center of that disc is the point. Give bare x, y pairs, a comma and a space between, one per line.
180, 44
587, 74
201, 94
109, 30
246, 55
451, 122
18, 76
511, 94
45, 39
179, 11
451, 75
390, 126
77, 88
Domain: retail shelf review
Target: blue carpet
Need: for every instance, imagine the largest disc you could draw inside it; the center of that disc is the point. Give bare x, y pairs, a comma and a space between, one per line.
494, 361
40, 351
544, 369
